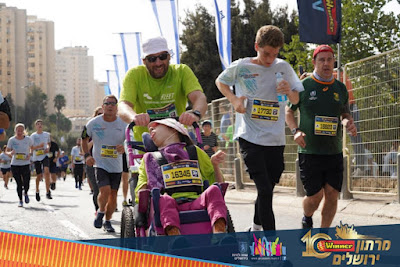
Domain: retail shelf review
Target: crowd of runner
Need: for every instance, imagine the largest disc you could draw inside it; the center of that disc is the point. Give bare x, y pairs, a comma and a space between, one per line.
268, 92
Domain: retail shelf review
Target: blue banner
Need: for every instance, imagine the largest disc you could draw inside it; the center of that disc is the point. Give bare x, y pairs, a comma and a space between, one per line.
320, 21
343, 245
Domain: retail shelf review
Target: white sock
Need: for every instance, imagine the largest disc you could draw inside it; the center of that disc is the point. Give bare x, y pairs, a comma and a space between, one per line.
256, 227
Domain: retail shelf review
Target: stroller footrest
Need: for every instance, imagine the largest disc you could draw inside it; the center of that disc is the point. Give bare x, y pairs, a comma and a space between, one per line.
144, 198
193, 216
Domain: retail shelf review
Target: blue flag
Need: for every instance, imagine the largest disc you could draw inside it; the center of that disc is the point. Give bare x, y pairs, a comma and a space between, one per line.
320, 21
223, 30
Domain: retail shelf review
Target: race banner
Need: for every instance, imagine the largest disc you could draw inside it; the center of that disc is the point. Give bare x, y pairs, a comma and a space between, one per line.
343, 245
112, 81
320, 21
167, 20
131, 49
223, 30
119, 67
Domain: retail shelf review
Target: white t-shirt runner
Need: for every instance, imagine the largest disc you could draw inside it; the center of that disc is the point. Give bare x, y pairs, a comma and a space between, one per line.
22, 149
44, 137
258, 84
106, 136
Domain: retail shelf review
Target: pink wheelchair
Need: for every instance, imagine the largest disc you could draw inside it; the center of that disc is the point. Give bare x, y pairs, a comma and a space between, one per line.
143, 218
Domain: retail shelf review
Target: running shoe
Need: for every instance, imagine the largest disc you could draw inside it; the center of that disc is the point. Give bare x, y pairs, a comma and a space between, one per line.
5, 186
64, 178
307, 222
124, 203
76, 185
98, 222
26, 199
108, 227
48, 195
21, 204
37, 196
53, 186
80, 187
91, 192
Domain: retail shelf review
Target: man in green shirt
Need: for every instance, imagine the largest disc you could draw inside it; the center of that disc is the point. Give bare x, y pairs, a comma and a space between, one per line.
160, 90
324, 108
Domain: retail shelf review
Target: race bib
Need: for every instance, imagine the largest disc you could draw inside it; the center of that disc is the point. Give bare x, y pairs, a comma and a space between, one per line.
169, 111
108, 151
39, 152
265, 110
78, 158
325, 125
20, 156
181, 173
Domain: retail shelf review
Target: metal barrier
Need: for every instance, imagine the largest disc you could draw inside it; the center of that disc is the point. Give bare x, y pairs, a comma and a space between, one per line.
375, 84
374, 89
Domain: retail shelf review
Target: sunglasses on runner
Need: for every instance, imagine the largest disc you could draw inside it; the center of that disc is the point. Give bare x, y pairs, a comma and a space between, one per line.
110, 103
153, 59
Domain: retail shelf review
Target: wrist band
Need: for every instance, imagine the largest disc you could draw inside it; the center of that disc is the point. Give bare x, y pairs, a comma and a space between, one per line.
1, 130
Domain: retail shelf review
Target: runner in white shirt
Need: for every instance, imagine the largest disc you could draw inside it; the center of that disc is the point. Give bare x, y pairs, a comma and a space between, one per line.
40, 148
18, 147
108, 134
5, 161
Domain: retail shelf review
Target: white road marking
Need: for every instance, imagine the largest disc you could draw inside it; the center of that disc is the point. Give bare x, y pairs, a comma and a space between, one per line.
74, 229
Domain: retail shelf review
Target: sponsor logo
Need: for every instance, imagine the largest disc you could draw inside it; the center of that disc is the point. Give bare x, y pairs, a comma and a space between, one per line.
351, 248
313, 95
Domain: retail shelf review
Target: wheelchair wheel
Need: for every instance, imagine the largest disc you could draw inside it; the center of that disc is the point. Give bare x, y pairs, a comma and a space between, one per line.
127, 223
229, 223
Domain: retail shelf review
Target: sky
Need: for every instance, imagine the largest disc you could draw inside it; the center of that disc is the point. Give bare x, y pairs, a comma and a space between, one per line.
94, 24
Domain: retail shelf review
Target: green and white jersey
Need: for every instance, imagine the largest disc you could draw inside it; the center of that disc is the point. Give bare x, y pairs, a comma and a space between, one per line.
165, 97
321, 105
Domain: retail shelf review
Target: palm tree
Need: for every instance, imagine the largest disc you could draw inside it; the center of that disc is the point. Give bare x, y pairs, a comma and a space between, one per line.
59, 104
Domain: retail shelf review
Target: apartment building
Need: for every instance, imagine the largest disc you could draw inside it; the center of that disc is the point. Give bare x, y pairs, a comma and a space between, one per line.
13, 53
74, 80
41, 57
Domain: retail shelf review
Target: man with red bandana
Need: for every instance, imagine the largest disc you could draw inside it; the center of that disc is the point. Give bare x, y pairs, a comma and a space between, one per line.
324, 109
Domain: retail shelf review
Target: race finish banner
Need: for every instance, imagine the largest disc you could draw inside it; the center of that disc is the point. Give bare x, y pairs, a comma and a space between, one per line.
320, 21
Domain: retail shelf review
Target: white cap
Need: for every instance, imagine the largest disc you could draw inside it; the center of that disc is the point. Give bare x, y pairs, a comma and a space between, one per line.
155, 45
172, 123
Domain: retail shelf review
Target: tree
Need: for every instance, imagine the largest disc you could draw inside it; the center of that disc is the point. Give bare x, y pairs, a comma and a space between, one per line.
59, 103
199, 38
367, 30
202, 54
35, 105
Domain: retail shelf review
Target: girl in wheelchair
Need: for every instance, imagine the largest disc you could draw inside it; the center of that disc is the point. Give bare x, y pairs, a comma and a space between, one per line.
181, 178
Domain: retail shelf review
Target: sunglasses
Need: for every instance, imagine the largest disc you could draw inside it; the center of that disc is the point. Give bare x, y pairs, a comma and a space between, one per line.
110, 103
153, 59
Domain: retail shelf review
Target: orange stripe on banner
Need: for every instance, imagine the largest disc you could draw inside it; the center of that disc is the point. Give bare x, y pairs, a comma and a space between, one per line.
77, 253
1, 244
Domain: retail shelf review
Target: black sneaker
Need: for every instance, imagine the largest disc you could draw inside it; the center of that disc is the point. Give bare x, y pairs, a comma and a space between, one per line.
26, 199
48, 195
21, 204
98, 222
37, 196
64, 178
307, 222
53, 186
108, 227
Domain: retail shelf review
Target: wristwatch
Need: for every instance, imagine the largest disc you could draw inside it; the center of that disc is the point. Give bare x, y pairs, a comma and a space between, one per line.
197, 113
87, 155
294, 130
